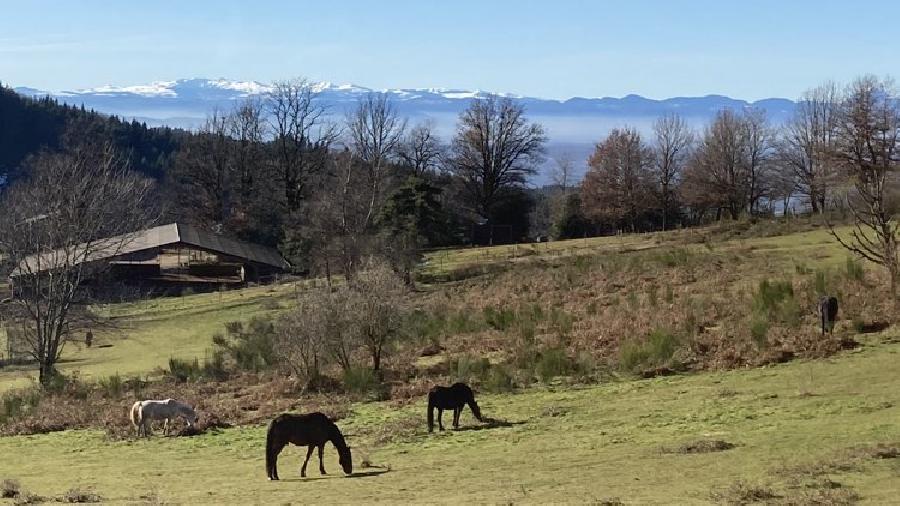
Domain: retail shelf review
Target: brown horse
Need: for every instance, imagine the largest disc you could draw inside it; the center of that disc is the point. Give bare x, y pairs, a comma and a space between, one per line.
312, 430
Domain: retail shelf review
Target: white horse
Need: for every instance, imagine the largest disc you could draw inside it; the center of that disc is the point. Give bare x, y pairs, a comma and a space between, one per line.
143, 412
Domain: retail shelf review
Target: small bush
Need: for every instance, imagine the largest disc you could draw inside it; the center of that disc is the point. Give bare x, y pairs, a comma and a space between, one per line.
76, 495
821, 283
251, 347
500, 319
670, 295
652, 296
270, 304
499, 380
759, 331
468, 367
552, 363
771, 294
10, 489
854, 269
17, 403
360, 380
656, 351
111, 386
674, 257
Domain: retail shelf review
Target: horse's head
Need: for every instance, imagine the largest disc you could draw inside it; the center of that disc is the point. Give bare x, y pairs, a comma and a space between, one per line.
346, 459
475, 409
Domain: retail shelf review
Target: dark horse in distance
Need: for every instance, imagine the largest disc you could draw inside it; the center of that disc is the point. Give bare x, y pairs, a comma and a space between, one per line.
312, 430
828, 310
453, 397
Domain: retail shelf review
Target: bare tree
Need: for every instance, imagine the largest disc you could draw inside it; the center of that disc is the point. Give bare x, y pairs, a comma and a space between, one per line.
301, 137
376, 307
202, 174
757, 146
72, 210
247, 128
808, 142
421, 150
717, 174
375, 131
674, 140
868, 149
617, 187
495, 149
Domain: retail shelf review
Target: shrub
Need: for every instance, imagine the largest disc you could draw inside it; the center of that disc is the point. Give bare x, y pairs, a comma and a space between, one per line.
10, 489
674, 257
16, 403
657, 350
499, 319
76, 495
652, 297
854, 269
360, 380
499, 380
770, 295
111, 385
252, 348
759, 330
468, 367
184, 370
821, 283
553, 362
670, 295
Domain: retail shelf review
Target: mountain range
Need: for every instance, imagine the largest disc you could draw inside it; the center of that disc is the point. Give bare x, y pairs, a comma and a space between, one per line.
185, 102
574, 125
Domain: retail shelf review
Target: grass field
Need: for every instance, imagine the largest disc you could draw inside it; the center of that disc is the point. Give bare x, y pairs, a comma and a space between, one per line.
586, 445
803, 432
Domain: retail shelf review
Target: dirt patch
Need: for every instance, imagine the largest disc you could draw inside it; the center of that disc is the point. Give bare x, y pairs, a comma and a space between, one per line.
701, 446
742, 492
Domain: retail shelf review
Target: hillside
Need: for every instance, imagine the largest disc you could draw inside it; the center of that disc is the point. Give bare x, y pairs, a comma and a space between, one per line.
776, 415
29, 125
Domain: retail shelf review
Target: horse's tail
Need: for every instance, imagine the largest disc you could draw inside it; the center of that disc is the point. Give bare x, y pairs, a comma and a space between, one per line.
135, 414
270, 450
430, 411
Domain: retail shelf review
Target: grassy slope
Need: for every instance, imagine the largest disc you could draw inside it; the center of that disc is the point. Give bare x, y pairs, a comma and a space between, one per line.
604, 443
148, 333
151, 332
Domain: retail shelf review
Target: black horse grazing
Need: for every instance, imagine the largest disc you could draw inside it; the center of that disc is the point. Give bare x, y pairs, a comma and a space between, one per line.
312, 430
828, 310
453, 397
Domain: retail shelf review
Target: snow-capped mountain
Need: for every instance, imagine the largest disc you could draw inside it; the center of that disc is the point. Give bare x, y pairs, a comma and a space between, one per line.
190, 100
573, 125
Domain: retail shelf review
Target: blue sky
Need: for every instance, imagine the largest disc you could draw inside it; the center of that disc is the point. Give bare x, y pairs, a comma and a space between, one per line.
555, 49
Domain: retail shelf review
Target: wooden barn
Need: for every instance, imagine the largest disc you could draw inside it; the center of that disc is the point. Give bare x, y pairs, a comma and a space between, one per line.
183, 255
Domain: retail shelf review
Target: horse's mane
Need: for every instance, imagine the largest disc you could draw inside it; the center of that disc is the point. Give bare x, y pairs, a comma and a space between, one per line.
336, 437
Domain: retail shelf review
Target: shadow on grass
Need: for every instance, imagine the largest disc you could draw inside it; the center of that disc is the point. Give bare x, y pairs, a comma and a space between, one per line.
377, 471
489, 423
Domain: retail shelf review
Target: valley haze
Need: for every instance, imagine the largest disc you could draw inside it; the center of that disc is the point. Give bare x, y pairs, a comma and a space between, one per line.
574, 125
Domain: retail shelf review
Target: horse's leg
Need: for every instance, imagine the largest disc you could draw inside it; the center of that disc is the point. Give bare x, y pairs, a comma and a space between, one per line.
166, 427
456, 412
308, 455
440, 417
321, 462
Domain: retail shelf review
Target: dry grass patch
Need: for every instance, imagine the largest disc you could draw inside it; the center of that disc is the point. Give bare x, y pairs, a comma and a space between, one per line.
701, 446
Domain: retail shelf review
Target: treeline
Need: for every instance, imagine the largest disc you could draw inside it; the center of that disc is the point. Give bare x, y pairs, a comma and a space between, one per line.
28, 126
739, 165
329, 192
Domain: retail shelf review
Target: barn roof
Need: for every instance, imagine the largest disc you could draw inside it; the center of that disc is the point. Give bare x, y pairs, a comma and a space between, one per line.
163, 235
183, 233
